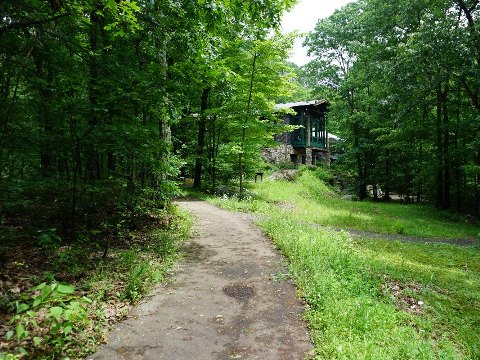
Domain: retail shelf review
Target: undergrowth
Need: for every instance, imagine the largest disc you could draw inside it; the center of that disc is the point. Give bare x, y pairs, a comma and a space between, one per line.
56, 319
355, 310
311, 200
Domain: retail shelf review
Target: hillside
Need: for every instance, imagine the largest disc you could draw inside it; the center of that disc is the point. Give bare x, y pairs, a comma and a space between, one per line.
373, 298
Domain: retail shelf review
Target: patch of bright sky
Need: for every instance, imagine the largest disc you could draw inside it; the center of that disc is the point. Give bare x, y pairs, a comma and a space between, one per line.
303, 18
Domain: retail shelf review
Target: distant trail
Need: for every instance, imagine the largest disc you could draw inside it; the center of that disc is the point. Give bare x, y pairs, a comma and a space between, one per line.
408, 238
221, 303
404, 238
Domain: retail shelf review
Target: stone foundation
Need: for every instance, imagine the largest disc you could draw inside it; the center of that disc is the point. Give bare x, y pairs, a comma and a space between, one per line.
279, 154
287, 153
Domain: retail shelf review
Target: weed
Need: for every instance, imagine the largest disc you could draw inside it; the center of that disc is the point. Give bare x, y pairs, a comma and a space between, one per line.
49, 239
49, 319
399, 228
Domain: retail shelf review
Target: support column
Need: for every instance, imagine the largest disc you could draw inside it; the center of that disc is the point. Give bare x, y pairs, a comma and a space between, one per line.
308, 156
308, 130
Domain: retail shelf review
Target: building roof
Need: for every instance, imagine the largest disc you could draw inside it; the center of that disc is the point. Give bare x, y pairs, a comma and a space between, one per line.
301, 103
333, 137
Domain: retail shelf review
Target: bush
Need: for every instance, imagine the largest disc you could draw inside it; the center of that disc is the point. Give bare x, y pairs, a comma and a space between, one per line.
325, 174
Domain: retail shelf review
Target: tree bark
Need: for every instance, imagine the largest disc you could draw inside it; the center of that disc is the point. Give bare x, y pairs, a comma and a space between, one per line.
197, 179
244, 128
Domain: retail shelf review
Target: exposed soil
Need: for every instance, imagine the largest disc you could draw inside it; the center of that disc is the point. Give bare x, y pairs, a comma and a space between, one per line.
408, 238
399, 237
222, 301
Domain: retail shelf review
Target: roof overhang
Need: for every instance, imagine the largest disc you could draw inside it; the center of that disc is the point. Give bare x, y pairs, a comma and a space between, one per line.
301, 104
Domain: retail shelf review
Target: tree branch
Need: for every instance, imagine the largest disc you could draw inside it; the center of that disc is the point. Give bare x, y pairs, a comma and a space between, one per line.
26, 24
473, 96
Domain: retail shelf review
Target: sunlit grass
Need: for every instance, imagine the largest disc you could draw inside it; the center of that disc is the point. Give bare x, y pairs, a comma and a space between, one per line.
312, 201
349, 315
373, 298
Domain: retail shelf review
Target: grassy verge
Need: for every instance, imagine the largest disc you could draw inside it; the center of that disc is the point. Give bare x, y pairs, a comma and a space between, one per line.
58, 319
310, 200
374, 299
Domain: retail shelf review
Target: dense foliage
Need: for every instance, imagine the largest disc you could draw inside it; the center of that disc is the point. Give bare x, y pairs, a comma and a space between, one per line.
403, 80
100, 99
103, 105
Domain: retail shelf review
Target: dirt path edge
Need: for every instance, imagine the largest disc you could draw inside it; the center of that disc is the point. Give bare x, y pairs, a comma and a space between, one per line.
223, 301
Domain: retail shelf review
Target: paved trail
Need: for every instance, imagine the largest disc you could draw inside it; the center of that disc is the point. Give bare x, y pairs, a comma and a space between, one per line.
222, 302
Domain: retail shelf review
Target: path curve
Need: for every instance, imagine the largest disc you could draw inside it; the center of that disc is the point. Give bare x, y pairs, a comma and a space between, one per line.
222, 301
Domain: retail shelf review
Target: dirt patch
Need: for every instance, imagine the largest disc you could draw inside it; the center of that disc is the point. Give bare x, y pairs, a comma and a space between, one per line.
286, 175
405, 296
285, 205
239, 292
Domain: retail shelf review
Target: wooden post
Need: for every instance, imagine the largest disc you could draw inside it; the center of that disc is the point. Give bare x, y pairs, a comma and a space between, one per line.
309, 128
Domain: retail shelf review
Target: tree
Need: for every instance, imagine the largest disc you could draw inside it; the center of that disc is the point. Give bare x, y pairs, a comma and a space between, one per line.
90, 92
399, 77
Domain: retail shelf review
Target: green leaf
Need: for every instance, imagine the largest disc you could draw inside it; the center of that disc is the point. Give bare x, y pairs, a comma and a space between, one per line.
56, 312
22, 307
9, 334
47, 290
65, 288
86, 299
40, 287
37, 340
22, 333
67, 328
37, 301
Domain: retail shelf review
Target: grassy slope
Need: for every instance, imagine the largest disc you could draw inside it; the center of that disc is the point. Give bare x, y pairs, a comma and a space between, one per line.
315, 203
374, 299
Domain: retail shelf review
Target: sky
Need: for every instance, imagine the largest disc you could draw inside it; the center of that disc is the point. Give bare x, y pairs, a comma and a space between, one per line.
303, 18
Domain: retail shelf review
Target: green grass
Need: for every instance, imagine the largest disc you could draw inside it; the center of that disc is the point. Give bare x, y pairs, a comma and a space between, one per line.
374, 299
313, 201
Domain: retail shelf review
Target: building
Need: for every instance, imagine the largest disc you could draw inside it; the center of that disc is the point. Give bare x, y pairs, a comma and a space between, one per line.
309, 144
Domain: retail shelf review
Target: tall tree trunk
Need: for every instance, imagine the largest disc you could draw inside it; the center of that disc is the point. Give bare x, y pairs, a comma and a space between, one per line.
439, 149
446, 153
45, 117
477, 186
96, 24
456, 160
244, 127
201, 139
419, 186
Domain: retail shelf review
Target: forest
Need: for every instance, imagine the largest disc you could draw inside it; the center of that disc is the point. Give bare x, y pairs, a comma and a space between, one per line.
105, 104
404, 80
108, 107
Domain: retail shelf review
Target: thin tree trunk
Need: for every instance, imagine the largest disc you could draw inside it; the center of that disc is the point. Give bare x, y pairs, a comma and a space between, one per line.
386, 195
201, 139
439, 147
446, 153
244, 128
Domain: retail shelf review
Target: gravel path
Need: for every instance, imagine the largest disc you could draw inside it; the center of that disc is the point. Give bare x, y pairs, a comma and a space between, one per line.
222, 301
